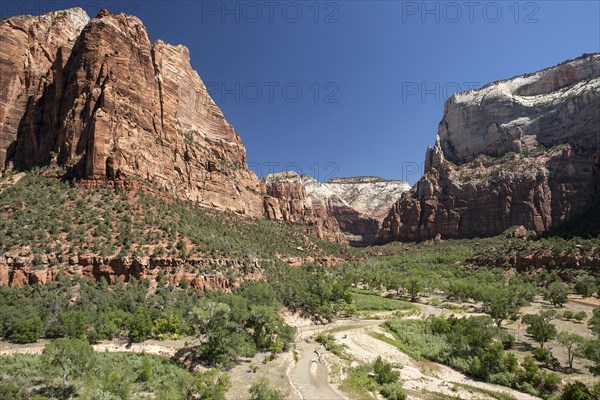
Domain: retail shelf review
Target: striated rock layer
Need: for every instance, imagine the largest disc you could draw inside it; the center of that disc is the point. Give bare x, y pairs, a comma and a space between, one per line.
200, 273
523, 151
352, 206
96, 97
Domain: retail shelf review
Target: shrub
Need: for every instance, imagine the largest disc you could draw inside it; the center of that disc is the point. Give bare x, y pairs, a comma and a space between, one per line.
393, 391
261, 390
26, 329
140, 326
580, 316
384, 373
576, 391
68, 357
9, 391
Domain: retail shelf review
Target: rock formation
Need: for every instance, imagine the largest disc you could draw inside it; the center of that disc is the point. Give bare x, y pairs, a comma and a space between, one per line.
17, 268
286, 200
523, 151
354, 206
96, 97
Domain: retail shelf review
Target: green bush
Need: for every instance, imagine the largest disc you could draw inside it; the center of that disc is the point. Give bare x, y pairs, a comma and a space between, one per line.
393, 391
576, 391
261, 390
9, 391
384, 373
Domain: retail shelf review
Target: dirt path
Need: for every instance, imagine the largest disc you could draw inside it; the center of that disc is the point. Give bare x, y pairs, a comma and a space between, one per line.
311, 377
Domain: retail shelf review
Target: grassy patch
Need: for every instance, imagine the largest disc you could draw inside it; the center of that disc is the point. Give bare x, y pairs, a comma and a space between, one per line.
491, 393
358, 385
413, 339
372, 302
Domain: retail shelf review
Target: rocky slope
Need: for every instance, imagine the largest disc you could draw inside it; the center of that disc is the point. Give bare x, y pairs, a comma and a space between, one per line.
523, 151
96, 97
354, 206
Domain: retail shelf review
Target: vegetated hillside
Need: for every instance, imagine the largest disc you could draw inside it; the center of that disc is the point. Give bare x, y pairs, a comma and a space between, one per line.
46, 223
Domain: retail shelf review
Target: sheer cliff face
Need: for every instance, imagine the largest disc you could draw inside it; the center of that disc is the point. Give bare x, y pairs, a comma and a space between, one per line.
524, 151
343, 209
33, 52
101, 100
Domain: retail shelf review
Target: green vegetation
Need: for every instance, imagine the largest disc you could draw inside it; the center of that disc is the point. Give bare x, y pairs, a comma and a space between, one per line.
328, 341
474, 346
27, 376
51, 216
378, 377
69, 357
585, 284
572, 342
490, 393
53, 221
368, 301
261, 390
540, 326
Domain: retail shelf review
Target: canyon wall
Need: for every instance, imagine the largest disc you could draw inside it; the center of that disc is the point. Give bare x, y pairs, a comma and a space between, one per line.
342, 209
97, 98
522, 151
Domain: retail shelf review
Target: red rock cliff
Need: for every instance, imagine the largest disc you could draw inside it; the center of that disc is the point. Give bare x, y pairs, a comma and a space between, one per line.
287, 201
524, 151
96, 97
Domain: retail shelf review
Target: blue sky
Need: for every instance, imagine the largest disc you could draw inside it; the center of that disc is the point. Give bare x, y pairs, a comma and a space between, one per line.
373, 75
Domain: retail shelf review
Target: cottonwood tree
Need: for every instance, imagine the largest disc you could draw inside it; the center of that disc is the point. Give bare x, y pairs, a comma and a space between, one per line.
501, 304
585, 285
540, 326
69, 357
571, 342
413, 286
557, 294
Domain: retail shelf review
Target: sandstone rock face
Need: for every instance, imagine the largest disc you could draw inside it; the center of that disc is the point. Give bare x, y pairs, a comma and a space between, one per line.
105, 103
18, 270
523, 151
286, 200
33, 51
356, 204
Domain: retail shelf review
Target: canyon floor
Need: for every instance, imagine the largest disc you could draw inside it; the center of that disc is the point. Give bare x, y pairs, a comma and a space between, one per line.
301, 374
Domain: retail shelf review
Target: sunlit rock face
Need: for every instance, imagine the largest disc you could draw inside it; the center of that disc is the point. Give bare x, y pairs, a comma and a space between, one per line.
342, 209
522, 151
96, 97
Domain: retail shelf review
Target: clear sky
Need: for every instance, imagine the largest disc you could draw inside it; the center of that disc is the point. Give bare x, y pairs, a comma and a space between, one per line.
373, 75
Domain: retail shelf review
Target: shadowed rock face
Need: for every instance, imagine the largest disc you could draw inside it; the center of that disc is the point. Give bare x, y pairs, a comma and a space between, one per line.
96, 97
523, 151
